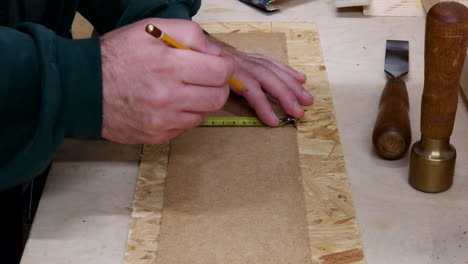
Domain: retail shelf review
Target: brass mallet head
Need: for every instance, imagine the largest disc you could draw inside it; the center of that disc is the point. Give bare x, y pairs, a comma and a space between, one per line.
432, 165
432, 161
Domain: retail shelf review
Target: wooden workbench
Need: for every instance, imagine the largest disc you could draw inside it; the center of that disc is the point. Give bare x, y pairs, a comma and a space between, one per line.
85, 212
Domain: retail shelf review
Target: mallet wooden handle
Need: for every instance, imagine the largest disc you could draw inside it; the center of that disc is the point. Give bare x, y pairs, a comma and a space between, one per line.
445, 50
392, 130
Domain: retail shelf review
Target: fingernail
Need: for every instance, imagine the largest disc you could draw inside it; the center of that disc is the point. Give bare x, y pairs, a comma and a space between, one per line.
296, 104
275, 118
301, 75
306, 94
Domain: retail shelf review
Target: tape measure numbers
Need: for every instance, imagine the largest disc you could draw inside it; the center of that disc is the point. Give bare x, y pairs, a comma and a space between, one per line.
240, 121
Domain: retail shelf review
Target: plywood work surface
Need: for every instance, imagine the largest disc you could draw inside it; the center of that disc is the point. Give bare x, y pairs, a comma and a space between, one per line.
402, 7
307, 190
427, 4
394, 8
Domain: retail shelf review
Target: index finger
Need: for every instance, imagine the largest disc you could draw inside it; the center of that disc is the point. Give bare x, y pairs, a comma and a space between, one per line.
202, 69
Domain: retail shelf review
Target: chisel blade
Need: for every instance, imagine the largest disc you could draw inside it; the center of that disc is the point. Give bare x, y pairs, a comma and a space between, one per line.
396, 58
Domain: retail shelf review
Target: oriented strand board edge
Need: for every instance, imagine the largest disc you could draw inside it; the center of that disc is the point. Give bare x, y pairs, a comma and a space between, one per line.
142, 244
349, 3
394, 8
333, 231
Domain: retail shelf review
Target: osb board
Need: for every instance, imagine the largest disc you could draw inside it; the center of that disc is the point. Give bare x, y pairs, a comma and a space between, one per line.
394, 8
333, 234
427, 4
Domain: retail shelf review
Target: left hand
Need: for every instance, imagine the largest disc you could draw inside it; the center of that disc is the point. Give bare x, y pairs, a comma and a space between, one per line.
261, 75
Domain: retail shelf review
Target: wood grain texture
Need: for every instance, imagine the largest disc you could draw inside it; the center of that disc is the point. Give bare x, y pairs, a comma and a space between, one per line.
394, 8
445, 51
333, 233
464, 80
392, 131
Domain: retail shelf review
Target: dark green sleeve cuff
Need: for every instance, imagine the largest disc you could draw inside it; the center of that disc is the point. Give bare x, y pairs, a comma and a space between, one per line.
60, 80
181, 9
178, 10
79, 62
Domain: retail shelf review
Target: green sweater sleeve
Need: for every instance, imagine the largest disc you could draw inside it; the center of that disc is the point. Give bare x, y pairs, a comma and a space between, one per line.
50, 88
106, 15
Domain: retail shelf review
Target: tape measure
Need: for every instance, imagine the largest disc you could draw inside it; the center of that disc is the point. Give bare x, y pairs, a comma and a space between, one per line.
240, 121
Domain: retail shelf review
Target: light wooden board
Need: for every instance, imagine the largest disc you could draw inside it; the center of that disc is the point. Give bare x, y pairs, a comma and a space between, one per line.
402, 7
347, 3
333, 233
81, 28
394, 8
427, 4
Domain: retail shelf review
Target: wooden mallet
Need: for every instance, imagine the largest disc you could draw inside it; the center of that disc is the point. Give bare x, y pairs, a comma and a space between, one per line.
432, 161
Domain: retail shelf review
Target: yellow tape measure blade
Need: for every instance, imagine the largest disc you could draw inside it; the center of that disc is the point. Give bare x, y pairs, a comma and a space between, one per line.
241, 121
232, 121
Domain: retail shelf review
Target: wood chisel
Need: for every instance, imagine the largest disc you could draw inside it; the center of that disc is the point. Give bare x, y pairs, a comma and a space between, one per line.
392, 131
266, 5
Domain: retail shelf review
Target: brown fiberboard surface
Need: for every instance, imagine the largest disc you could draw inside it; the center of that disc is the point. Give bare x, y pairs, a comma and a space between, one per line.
239, 202
234, 195
272, 45
331, 223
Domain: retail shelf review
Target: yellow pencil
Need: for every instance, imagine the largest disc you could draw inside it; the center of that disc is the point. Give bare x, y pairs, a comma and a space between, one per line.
164, 37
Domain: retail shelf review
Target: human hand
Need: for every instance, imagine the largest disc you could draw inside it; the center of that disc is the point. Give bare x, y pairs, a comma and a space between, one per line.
261, 75
152, 92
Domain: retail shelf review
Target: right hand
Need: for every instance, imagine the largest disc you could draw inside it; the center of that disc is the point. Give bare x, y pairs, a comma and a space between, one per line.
152, 92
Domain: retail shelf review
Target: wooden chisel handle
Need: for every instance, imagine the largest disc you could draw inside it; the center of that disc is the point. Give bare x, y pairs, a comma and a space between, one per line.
392, 130
445, 50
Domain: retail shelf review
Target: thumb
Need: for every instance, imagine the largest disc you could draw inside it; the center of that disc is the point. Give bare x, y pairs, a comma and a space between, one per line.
189, 34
